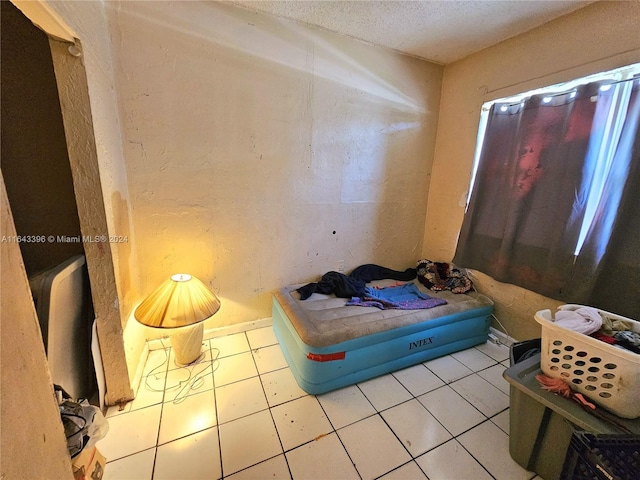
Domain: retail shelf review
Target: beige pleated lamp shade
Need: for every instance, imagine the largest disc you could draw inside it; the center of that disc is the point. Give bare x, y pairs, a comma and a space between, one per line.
180, 301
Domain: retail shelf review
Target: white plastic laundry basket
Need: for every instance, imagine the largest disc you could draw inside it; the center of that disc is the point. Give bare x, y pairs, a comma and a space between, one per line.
608, 375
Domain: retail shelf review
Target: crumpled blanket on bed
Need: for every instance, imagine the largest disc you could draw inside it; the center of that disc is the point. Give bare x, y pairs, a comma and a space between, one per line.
438, 276
401, 297
353, 285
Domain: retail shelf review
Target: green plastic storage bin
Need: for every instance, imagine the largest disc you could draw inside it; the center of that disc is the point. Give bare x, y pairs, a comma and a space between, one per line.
542, 423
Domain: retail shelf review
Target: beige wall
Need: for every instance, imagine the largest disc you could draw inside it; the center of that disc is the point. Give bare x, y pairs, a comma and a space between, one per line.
262, 153
599, 37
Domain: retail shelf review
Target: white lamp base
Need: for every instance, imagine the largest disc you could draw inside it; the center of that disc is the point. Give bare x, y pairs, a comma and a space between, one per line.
187, 343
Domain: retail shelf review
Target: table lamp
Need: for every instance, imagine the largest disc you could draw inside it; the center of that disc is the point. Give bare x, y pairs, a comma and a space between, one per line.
180, 304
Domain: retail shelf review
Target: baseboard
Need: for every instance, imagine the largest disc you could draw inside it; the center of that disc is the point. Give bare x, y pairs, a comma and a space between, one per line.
160, 343
237, 328
137, 378
502, 337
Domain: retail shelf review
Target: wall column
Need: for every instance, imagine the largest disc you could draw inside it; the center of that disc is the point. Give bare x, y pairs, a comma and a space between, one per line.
78, 125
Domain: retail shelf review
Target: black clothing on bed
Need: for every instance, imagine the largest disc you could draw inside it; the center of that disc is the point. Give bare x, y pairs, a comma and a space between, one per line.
333, 282
370, 272
353, 285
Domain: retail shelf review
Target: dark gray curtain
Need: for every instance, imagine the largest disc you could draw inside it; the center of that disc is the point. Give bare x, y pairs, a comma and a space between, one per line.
536, 170
607, 270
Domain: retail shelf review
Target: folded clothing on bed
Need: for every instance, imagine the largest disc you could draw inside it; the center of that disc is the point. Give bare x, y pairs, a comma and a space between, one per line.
402, 297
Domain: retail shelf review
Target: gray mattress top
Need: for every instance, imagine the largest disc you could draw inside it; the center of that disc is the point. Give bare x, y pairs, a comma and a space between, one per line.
324, 320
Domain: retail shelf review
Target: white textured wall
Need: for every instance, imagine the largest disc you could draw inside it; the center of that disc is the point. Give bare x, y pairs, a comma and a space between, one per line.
262, 153
599, 37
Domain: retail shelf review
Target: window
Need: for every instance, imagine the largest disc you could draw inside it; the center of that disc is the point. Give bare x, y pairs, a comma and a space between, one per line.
554, 193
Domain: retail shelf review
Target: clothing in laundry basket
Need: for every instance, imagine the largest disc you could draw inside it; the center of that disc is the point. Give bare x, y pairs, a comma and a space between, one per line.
584, 320
629, 340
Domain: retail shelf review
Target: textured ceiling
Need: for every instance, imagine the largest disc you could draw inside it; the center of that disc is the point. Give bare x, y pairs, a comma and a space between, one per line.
440, 31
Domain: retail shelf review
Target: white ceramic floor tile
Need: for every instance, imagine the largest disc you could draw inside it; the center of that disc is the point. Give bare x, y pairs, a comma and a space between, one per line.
324, 458
233, 369
493, 375
201, 378
280, 386
416, 428
251, 442
157, 362
502, 421
409, 471
240, 399
454, 412
138, 466
150, 392
229, 345
345, 406
269, 359
191, 415
499, 353
481, 394
300, 421
474, 359
451, 461
373, 447
490, 446
275, 468
248, 441
131, 433
176, 380
118, 410
183, 382
448, 368
506, 364
194, 457
262, 337
384, 392
418, 379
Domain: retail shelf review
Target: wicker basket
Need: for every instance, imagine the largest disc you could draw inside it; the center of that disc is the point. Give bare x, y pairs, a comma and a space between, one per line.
607, 375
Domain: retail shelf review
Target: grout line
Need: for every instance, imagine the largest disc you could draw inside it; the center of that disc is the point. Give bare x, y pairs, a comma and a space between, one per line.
413, 460
471, 454
334, 430
215, 402
269, 408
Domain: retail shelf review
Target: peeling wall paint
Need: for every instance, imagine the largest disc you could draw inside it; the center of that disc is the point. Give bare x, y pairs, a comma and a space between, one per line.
597, 38
262, 153
77, 119
88, 21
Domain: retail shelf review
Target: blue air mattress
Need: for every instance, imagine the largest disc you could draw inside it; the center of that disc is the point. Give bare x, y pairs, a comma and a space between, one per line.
329, 345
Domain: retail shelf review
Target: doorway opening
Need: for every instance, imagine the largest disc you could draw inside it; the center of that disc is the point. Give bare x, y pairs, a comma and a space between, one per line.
39, 182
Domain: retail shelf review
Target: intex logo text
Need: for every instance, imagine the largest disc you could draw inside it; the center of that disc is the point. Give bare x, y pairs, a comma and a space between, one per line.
420, 343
